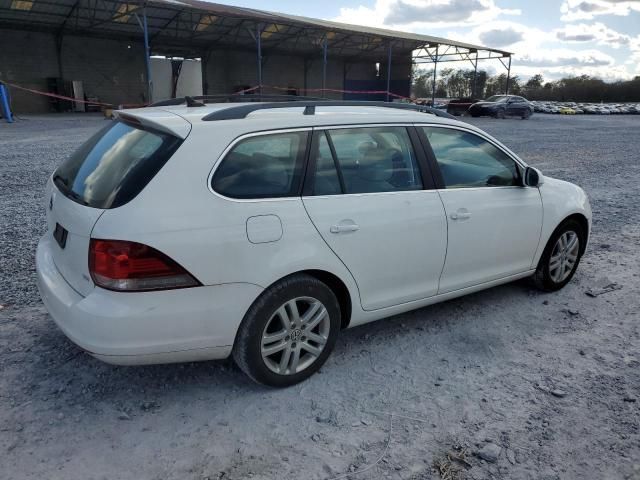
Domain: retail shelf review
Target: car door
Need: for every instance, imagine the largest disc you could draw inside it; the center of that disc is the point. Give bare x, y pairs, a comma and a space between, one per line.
494, 222
377, 210
518, 106
512, 108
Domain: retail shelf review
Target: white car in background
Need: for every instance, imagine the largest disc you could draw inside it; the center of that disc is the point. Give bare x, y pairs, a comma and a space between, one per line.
260, 230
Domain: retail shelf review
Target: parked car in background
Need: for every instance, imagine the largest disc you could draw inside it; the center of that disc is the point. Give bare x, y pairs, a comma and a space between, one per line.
460, 106
569, 108
502, 106
428, 103
198, 231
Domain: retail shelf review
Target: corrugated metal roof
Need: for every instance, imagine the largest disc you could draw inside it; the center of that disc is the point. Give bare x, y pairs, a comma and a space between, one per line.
195, 25
385, 33
420, 39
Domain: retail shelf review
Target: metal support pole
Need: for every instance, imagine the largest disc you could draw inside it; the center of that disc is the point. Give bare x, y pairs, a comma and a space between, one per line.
5, 107
147, 54
204, 61
59, 40
325, 48
475, 74
306, 75
259, 45
389, 73
506, 92
435, 68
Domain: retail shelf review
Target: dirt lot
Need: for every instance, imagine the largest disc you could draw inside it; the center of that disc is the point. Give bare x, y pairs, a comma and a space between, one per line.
504, 384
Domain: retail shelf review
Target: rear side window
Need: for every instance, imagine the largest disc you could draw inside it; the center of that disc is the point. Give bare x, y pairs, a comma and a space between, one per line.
264, 166
114, 165
468, 161
372, 159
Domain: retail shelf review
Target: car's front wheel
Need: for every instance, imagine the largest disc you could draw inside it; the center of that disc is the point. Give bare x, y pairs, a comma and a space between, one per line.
288, 332
560, 258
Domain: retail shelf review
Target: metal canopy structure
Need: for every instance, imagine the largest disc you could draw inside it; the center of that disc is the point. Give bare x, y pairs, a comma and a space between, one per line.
189, 28
439, 53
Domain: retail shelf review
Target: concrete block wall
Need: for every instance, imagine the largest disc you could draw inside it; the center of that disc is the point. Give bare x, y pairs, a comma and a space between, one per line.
227, 69
112, 70
27, 59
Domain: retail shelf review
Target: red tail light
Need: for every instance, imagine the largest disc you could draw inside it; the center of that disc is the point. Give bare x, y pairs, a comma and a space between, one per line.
130, 266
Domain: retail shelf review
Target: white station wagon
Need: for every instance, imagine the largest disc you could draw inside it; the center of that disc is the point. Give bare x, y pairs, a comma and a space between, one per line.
260, 230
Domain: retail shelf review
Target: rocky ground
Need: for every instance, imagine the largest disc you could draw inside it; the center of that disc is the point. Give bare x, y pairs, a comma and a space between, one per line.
508, 383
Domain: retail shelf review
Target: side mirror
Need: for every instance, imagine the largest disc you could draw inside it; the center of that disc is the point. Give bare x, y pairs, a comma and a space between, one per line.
533, 177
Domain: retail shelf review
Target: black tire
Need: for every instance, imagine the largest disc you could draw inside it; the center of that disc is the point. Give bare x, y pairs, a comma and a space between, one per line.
542, 279
526, 115
500, 114
247, 347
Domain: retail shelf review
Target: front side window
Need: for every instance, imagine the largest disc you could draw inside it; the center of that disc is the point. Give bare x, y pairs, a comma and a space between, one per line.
375, 159
264, 166
467, 160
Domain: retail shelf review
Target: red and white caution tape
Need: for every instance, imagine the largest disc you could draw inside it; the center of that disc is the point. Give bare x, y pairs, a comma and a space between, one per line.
71, 99
241, 92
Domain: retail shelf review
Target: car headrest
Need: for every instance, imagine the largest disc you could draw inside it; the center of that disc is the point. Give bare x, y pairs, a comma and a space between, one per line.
376, 165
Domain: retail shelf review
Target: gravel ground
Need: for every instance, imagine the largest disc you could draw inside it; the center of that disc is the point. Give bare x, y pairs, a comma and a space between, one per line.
503, 384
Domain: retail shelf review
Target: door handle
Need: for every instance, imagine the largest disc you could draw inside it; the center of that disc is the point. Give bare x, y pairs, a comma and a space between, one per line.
344, 228
460, 214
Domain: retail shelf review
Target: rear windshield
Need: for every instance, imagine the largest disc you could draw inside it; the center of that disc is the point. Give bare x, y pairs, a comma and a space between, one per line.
114, 165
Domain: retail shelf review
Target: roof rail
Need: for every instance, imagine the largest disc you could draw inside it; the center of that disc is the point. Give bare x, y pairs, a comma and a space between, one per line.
234, 97
241, 111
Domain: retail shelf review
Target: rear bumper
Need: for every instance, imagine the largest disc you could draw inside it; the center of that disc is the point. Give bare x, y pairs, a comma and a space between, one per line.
145, 327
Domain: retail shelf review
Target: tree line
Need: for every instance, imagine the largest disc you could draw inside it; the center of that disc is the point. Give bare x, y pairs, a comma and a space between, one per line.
460, 83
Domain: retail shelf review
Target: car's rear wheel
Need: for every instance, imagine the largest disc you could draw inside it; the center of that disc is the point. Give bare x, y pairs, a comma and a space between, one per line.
500, 114
288, 332
560, 258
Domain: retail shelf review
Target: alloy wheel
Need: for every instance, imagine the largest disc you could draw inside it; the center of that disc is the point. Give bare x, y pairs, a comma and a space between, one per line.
564, 256
295, 335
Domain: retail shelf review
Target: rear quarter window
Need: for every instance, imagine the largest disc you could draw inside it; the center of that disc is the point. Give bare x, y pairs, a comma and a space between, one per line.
115, 165
262, 166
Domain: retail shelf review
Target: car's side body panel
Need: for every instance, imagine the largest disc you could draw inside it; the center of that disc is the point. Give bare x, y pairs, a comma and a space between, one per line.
363, 317
238, 248
119, 327
77, 221
560, 200
397, 253
493, 233
209, 238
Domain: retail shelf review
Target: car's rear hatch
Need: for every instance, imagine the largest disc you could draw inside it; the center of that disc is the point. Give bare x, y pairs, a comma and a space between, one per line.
70, 225
106, 172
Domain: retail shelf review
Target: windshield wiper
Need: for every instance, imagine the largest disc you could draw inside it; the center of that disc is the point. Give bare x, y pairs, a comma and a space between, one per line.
57, 179
64, 187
